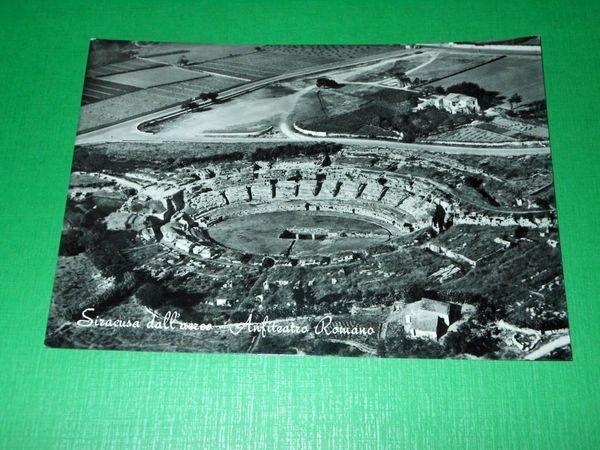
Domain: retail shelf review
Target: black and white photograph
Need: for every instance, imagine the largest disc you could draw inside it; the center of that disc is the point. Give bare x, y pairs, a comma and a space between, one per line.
391, 201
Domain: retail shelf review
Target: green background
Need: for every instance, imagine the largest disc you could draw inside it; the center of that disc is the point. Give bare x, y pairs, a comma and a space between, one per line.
52, 398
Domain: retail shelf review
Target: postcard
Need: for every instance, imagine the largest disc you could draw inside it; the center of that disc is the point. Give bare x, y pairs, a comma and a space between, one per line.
343, 200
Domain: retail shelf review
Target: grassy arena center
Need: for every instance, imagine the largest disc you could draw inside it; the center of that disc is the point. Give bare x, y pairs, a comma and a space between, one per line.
261, 234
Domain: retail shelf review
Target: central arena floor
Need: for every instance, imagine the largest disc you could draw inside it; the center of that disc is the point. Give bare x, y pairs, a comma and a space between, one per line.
259, 233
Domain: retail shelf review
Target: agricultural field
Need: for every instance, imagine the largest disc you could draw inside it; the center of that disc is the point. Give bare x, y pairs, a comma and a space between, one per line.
334, 52
509, 75
192, 88
152, 77
104, 52
539, 131
528, 40
271, 61
96, 90
260, 64
468, 134
121, 67
500, 129
139, 101
449, 63
193, 53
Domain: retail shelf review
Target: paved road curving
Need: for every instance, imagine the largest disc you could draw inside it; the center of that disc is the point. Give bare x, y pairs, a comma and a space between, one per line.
549, 347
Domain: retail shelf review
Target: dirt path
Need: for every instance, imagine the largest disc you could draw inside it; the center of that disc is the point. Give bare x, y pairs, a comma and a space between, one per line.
344, 76
426, 63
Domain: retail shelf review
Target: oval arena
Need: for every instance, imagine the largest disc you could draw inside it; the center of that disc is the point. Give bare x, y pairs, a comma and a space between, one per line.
291, 210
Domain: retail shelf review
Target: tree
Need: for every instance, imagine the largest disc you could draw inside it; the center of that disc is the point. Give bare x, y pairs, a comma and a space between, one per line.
402, 78
409, 134
205, 96
87, 161
189, 104
71, 243
438, 218
474, 182
268, 262
521, 232
415, 292
103, 253
328, 83
515, 98
182, 61
472, 338
399, 345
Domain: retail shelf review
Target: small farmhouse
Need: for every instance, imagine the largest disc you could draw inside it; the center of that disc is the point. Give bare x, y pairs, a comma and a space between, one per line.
453, 103
429, 318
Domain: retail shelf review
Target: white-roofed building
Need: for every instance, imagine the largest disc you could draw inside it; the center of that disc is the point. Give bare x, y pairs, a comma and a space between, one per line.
453, 103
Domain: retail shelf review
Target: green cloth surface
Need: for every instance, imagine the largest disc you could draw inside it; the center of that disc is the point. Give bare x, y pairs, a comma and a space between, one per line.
51, 398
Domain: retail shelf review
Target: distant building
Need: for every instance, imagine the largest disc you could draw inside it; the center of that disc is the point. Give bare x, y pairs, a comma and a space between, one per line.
429, 318
222, 302
453, 103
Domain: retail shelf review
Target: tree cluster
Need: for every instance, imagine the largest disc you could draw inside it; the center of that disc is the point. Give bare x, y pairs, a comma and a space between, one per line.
291, 150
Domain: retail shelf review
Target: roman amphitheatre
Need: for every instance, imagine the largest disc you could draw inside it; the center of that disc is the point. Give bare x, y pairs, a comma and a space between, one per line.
297, 183
355, 209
